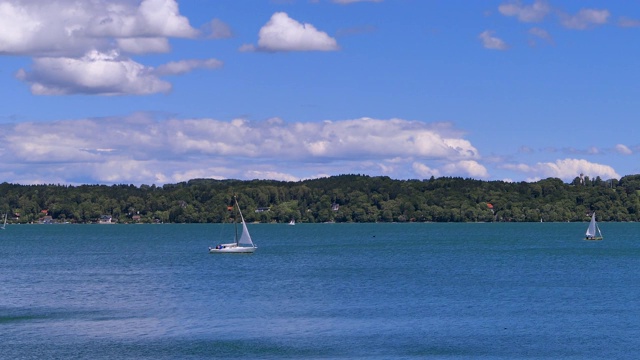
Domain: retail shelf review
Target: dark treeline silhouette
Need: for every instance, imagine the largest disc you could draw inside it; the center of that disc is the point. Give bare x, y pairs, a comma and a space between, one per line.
344, 198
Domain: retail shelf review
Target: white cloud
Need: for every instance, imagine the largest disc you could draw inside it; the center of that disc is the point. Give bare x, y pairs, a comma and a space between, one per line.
425, 171
592, 150
247, 48
565, 169
628, 22
77, 45
623, 149
144, 45
121, 169
205, 173
138, 149
538, 33
95, 73
491, 42
185, 66
381, 137
217, 29
524, 13
71, 28
104, 74
269, 175
152, 18
26, 28
283, 33
469, 167
585, 18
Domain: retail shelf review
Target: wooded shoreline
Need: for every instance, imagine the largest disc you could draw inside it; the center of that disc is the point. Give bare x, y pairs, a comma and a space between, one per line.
343, 198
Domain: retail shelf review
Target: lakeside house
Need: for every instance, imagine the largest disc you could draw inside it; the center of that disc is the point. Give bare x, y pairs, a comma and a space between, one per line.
47, 220
105, 219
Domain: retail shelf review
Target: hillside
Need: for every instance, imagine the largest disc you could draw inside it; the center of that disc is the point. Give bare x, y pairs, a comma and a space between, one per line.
344, 198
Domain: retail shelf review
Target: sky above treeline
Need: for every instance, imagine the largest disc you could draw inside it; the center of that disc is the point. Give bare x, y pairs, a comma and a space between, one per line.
163, 91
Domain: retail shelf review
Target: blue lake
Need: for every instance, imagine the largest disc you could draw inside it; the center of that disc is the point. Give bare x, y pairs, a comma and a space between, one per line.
320, 291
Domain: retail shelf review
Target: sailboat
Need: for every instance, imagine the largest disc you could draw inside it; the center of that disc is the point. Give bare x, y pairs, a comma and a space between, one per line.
593, 231
242, 244
292, 222
4, 225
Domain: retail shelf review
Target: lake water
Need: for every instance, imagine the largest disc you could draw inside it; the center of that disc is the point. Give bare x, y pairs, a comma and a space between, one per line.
320, 291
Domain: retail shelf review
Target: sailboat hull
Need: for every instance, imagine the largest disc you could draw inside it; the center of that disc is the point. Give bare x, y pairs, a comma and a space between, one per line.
242, 245
593, 238
233, 249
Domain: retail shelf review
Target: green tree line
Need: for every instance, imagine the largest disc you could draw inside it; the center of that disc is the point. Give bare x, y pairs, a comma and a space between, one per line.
344, 198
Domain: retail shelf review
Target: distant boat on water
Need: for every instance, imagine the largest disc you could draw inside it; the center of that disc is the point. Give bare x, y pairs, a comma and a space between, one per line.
292, 222
242, 244
593, 231
4, 225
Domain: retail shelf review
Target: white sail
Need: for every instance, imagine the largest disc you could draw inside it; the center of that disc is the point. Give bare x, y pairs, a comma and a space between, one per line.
593, 231
244, 244
4, 225
245, 238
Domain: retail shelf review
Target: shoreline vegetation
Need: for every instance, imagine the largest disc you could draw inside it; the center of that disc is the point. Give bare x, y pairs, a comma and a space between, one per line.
339, 199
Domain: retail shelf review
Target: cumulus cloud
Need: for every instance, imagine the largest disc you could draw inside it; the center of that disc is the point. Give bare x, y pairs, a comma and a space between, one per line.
151, 18
283, 33
69, 27
628, 22
25, 28
623, 149
139, 149
144, 45
78, 45
94, 73
217, 29
592, 150
491, 42
104, 74
425, 171
469, 167
565, 169
269, 175
185, 66
585, 18
526, 13
539, 34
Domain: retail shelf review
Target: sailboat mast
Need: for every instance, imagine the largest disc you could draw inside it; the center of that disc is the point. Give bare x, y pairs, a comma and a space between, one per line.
235, 220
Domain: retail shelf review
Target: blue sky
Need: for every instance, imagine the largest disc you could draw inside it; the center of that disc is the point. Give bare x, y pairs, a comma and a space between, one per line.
163, 91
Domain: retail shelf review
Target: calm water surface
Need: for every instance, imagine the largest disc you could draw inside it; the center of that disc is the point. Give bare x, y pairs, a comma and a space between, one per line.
320, 291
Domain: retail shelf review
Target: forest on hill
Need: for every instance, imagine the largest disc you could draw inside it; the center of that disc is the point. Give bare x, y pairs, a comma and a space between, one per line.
343, 198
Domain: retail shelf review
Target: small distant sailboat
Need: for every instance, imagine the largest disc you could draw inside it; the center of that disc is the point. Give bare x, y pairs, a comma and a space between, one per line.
4, 225
242, 244
292, 222
593, 231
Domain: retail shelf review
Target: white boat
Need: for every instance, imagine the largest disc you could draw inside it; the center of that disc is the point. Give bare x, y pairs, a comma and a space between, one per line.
241, 245
4, 225
593, 231
292, 222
